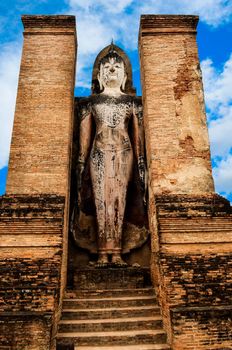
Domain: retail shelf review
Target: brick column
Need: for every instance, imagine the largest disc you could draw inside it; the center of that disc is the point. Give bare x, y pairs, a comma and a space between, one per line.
174, 112
190, 225
39, 172
42, 132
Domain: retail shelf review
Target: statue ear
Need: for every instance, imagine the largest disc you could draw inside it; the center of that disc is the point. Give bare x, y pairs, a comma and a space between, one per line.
124, 82
100, 81
100, 77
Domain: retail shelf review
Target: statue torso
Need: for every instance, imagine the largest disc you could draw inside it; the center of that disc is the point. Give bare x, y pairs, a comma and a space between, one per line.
111, 116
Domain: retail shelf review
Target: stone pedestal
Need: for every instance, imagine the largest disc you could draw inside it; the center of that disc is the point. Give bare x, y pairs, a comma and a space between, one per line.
112, 277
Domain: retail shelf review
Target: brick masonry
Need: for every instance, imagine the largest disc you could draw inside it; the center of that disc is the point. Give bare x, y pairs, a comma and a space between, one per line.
42, 132
192, 269
190, 226
31, 240
176, 134
35, 248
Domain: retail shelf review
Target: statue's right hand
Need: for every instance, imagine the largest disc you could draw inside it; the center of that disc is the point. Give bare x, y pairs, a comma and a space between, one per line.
79, 173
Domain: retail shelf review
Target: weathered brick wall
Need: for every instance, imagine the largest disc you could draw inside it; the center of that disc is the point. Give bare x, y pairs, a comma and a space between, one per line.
175, 124
31, 240
190, 227
42, 133
40, 156
193, 270
201, 328
23, 332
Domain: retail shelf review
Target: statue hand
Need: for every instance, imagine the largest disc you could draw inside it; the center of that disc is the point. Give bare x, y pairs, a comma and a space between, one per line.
145, 188
143, 177
79, 173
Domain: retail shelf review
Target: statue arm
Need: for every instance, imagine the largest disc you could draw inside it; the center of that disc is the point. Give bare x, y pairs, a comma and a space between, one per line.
139, 145
84, 144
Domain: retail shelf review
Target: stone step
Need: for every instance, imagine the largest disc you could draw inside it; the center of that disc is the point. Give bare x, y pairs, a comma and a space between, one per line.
183, 228
99, 293
112, 338
108, 302
111, 312
116, 324
126, 347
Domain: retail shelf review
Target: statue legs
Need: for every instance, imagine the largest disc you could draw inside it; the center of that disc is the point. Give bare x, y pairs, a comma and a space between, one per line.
110, 174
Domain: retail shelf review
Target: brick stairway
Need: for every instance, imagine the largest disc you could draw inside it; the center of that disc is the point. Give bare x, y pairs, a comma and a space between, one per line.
123, 315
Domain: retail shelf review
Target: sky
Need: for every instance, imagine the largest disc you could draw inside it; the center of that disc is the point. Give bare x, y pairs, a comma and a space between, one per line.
100, 21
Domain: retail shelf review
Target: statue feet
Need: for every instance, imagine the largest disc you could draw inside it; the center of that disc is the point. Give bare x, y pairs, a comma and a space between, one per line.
117, 260
102, 260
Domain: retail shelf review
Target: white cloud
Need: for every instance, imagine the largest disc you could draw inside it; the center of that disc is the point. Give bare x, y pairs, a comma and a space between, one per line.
92, 34
218, 87
110, 6
218, 84
223, 175
9, 70
213, 12
220, 131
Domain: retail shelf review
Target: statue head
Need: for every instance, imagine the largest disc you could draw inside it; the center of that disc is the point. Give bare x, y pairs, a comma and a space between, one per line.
112, 73
112, 70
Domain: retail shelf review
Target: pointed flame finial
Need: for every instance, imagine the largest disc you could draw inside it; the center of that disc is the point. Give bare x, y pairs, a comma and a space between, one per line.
112, 46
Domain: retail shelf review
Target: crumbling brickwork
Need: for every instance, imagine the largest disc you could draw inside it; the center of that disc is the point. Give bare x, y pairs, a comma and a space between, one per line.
190, 226
192, 270
42, 133
31, 231
40, 162
174, 117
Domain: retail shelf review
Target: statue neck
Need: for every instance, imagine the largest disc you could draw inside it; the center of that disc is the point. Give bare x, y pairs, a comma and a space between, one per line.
112, 91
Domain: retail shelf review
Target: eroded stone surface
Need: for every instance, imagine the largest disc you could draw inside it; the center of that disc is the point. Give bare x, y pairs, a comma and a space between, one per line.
176, 133
191, 269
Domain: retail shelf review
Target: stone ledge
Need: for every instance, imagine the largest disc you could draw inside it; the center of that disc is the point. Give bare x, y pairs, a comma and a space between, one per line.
32, 206
44, 21
179, 205
201, 308
163, 24
25, 314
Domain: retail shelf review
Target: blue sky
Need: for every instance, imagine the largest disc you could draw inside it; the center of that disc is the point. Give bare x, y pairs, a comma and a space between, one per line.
98, 21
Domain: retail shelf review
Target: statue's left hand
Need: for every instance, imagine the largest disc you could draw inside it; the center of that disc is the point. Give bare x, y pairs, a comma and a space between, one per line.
79, 173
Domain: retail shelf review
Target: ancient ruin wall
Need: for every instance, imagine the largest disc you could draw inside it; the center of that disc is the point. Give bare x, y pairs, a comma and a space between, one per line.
174, 113
42, 132
194, 275
31, 235
190, 226
40, 166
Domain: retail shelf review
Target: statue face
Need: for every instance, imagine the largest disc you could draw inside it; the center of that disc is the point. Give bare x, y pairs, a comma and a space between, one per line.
112, 73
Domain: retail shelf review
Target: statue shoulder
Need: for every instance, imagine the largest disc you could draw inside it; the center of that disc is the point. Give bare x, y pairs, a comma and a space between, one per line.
84, 107
138, 108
